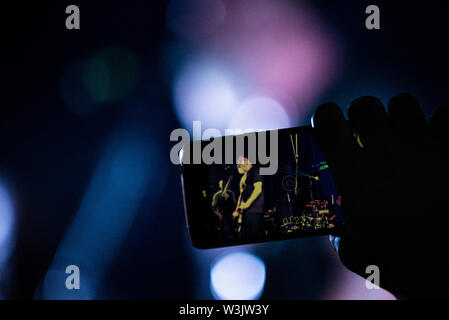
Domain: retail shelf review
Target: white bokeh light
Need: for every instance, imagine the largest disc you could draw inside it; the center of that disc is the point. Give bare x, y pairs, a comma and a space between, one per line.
260, 113
205, 91
238, 276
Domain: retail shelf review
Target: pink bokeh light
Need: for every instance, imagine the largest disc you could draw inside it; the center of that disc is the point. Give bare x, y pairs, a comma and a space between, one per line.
276, 49
279, 47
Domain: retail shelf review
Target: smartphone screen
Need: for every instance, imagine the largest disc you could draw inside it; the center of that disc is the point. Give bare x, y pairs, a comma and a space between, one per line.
233, 203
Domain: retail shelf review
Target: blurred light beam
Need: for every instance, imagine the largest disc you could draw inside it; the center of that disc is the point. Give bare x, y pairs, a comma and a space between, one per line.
105, 216
6, 225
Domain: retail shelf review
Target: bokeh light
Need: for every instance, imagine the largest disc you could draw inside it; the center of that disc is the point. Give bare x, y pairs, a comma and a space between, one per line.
276, 49
206, 91
123, 70
259, 113
238, 276
6, 224
74, 94
97, 79
281, 46
106, 77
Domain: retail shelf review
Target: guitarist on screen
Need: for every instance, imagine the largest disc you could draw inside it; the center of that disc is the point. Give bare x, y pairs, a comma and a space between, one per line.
223, 204
249, 210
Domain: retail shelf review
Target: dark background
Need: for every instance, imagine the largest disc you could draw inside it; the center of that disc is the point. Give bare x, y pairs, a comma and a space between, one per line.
48, 154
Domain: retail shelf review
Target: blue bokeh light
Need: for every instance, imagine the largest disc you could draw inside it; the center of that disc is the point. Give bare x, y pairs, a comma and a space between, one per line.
6, 224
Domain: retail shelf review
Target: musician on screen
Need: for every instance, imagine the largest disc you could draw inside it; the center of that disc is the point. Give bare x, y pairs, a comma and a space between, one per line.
248, 213
223, 204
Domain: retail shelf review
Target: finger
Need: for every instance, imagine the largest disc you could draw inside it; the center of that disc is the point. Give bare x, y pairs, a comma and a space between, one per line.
439, 128
370, 120
406, 115
439, 124
336, 141
410, 129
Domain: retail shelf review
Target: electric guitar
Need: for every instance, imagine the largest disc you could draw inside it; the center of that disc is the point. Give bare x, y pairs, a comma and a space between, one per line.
238, 213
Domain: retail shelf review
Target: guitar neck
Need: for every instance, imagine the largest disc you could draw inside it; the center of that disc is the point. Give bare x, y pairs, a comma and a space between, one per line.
225, 189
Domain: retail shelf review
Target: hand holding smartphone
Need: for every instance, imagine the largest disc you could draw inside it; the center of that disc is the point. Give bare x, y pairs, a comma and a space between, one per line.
236, 202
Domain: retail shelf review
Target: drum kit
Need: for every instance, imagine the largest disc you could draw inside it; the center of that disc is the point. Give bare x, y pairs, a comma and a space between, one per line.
316, 215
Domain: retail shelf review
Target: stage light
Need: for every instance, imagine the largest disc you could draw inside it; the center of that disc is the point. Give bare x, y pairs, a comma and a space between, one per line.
259, 113
239, 276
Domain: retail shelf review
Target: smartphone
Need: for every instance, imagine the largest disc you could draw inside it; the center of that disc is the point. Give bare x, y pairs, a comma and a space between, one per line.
269, 186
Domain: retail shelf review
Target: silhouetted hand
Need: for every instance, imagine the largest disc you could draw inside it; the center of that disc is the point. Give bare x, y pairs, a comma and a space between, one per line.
394, 182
